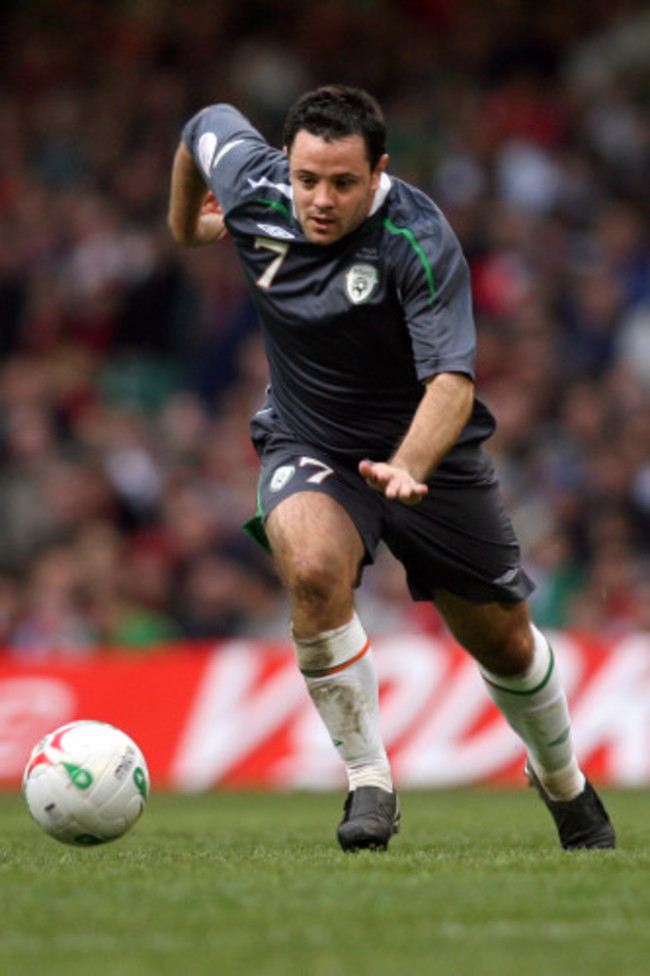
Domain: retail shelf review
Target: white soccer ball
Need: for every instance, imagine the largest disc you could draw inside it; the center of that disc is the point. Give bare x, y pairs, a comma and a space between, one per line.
86, 783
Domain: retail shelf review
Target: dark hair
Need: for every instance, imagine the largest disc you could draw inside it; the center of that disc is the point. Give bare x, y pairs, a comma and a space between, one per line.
336, 111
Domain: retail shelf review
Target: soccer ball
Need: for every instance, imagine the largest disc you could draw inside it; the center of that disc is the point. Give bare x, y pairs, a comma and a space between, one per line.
86, 783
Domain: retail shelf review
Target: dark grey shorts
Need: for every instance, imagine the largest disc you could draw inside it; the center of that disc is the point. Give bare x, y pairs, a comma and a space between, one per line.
458, 538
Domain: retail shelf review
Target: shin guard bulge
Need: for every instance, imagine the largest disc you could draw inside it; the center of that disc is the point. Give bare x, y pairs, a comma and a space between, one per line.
534, 705
339, 672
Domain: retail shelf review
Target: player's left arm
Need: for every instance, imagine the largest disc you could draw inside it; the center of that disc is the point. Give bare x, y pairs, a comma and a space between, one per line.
437, 423
195, 216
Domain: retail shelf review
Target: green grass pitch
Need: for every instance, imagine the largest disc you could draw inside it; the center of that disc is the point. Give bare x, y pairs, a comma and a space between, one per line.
239, 884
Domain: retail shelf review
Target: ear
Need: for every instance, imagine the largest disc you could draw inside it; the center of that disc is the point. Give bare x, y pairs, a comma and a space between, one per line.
378, 170
285, 150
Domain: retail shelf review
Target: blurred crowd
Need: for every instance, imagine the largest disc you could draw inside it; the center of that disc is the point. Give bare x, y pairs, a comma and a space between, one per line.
129, 367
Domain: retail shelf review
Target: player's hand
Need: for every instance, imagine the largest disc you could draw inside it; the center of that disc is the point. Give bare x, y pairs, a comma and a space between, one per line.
393, 482
212, 226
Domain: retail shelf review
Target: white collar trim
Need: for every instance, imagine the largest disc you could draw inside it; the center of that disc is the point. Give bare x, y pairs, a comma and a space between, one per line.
381, 193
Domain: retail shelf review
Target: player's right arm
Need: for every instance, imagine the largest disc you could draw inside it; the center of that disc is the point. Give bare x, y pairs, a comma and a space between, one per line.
219, 151
194, 217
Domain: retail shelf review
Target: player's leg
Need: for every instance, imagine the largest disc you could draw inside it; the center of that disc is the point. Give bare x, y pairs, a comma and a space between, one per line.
459, 547
319, 552
518, 667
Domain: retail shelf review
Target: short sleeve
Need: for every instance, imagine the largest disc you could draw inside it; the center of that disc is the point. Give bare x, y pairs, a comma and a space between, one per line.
226, 148
434, 285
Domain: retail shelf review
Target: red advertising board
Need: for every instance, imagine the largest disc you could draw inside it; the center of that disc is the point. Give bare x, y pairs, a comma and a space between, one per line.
236, 714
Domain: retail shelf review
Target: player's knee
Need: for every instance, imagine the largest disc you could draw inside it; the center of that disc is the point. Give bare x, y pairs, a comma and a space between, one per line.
316, 581
511, 654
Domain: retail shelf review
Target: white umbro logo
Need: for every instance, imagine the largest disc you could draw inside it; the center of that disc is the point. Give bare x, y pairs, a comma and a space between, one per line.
508, 577
274, 231
206, 150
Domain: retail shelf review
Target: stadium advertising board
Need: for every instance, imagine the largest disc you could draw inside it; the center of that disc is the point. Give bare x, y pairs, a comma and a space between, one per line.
235, 714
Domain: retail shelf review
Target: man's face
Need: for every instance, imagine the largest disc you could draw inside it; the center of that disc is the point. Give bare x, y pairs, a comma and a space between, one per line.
333, 185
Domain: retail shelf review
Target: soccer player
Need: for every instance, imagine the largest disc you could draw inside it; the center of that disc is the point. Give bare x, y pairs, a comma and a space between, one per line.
371, 431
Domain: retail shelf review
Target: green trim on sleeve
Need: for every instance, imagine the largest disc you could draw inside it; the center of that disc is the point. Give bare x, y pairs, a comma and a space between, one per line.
276, 205
417, 247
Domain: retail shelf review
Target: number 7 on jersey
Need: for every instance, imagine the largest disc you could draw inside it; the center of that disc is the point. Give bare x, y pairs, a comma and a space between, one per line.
280, 249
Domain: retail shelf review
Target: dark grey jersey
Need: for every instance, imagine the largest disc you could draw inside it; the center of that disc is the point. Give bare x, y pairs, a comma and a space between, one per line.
351, 329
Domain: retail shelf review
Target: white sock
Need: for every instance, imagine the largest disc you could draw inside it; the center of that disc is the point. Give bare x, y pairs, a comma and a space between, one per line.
535, 706
340, 675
